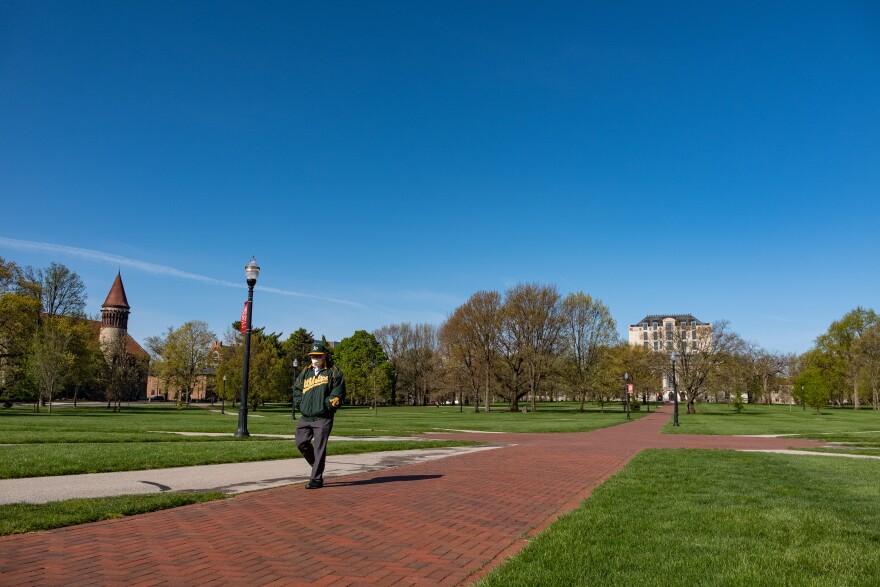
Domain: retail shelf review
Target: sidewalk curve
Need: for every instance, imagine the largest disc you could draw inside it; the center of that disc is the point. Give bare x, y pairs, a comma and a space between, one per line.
227, 478
440, 522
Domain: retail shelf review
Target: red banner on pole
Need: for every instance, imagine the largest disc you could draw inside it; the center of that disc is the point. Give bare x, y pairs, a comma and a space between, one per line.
629, 388
244, 318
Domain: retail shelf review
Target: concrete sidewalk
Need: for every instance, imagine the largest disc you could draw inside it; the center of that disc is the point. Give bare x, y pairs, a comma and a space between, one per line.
227, 478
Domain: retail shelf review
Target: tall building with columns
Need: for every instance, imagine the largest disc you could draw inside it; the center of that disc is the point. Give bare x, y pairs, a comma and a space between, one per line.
664, 333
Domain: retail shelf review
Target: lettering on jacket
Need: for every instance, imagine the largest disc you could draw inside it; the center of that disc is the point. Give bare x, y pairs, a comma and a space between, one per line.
313, 382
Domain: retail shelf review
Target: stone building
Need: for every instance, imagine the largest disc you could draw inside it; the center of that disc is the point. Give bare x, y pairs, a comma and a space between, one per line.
667, 332
113, 330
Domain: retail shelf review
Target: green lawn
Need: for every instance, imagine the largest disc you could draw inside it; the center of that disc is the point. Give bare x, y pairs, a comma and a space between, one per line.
142, 422
19, 518
774, 419
94, 439
37, 460
688, 517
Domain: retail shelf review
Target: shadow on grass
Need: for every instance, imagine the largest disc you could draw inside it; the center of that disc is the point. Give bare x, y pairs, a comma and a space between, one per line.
385, 479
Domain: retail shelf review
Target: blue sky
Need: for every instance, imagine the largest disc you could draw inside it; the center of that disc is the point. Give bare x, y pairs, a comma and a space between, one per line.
383, 161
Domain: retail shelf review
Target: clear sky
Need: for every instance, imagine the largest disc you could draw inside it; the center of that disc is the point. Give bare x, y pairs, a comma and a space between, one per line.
385, 160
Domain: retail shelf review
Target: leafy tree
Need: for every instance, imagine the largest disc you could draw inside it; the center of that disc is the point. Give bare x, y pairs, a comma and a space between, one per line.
588, 329
644, 367
89, 360
867, 356
296, 347
19, 315
816, 387
182, 354
357, 357
50, 359
267, 378
839, 344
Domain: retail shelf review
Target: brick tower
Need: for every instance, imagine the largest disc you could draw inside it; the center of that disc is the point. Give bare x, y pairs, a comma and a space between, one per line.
114, 314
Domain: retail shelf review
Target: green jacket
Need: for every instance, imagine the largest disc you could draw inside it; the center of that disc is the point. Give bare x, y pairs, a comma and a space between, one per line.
312, 393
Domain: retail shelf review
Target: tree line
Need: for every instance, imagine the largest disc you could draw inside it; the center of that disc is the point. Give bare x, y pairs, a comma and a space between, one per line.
50, 347
519, 347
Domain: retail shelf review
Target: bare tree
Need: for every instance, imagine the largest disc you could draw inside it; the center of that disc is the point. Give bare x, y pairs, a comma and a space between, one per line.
412, 349
60, 290
769, 370
125, 372
534, 313
588, 328
699, 356
459, 352
474, 330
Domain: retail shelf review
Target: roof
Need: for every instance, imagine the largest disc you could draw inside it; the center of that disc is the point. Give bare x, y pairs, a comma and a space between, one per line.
131, 345
116, 298
677, 317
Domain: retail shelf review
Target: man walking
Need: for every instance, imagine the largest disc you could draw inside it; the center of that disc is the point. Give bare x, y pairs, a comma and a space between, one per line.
317, 393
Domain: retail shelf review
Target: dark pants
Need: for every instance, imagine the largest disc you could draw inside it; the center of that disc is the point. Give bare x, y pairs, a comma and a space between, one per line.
316, 455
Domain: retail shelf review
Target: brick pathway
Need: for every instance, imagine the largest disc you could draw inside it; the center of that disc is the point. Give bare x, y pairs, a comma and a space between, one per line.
443, 522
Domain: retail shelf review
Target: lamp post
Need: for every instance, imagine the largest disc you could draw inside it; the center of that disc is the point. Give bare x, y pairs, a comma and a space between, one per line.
626, 394
251, 271
673, 356
292, 400
223, 399
803, 398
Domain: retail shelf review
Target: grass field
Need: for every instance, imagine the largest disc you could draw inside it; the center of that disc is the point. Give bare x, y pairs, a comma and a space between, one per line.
139, 422
94, 439
689, 517
775, 419
19, 518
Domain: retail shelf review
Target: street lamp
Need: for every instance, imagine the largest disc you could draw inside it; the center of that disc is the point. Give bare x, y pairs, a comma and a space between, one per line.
292, 400
626, 393
803, 398
251, 271
673, 356
223, 399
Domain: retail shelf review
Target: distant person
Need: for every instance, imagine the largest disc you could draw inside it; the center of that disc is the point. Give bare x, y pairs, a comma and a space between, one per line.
317, 393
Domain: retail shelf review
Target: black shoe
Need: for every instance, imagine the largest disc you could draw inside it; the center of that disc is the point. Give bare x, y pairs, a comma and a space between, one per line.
314, 485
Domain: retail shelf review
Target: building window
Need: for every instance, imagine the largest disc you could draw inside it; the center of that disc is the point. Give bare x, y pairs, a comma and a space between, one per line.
656, 346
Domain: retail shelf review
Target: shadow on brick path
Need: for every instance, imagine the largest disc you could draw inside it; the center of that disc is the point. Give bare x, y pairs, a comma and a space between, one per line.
443, 522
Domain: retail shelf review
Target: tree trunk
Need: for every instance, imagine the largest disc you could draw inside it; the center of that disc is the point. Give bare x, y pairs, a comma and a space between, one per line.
857, 403
487, 406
